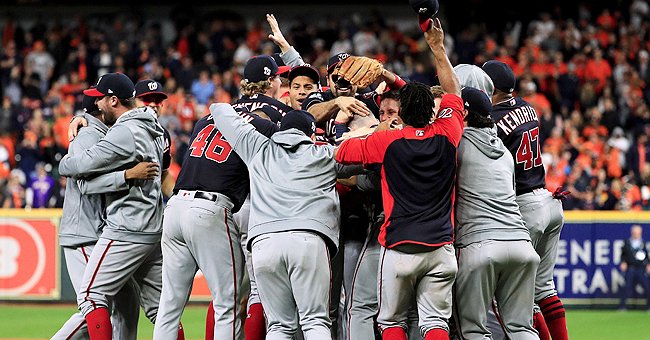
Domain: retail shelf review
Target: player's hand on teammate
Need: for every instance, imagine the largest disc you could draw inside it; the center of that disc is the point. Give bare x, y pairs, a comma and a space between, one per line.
390, 124
350, 105
75, 125
343, 117
623, 266
435, 36
276, 35
143, 170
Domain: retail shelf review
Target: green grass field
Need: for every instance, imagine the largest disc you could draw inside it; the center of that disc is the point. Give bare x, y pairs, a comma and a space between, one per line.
42, 321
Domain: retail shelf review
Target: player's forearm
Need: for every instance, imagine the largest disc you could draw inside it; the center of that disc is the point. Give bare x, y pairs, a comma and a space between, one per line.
168, 183
446, 75
111, 182
323, 111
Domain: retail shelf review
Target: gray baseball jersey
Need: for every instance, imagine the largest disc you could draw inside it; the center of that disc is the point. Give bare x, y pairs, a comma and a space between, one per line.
495, 256
293, 223
81, 224
129, 244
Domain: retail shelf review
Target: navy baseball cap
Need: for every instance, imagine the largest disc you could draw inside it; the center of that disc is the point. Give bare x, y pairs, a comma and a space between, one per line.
262, 67
149, 87
88, 105
502, 76
334, 60
112, 84
305, 70
299, 119
425, 8
476, 101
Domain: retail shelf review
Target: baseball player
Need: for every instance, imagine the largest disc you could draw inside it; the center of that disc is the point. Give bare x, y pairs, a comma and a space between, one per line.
293, 225
488, 222
259, 88
149, 93
81, 225
361, 292
198, 228
344, 96
129, 245
473, 76
418, 172
518, 127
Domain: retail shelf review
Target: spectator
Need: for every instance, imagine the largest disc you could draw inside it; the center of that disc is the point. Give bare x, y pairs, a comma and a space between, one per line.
39, 61
203, 88
635, 265
41, 188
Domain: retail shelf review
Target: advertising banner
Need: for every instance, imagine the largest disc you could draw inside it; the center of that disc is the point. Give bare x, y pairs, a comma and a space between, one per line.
587, 270
29, 255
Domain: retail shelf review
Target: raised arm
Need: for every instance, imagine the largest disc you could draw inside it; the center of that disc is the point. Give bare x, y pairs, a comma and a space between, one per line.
289, 55
435, 37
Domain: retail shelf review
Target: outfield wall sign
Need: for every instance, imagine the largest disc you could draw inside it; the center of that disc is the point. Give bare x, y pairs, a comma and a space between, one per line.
29, 255
587, 270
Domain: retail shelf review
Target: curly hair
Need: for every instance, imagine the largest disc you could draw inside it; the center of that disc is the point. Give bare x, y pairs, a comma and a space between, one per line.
249, 89
416, 104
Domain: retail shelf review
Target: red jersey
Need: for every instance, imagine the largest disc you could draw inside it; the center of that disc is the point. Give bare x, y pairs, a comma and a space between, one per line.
418, 176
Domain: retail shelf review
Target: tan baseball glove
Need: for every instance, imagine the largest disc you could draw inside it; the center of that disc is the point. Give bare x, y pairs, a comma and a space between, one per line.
360, 71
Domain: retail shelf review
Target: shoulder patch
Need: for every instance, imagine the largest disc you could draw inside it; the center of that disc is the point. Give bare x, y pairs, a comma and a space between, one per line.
445, 113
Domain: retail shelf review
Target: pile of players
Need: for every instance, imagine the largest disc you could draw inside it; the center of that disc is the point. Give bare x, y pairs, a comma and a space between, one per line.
424, 208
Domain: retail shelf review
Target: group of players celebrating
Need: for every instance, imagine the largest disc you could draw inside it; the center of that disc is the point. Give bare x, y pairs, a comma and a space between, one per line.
424, 207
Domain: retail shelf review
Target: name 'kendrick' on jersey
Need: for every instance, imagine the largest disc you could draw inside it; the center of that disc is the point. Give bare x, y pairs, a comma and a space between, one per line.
516, 117
518, 128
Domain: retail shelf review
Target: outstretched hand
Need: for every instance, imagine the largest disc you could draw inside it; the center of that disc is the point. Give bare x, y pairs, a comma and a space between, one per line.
276, 35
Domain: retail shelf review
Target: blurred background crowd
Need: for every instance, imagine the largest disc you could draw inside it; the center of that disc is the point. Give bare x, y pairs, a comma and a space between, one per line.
586, 71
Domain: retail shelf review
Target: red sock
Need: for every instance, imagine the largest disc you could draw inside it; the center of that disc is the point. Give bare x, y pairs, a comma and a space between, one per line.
209, 323
554, 315
181, 332
540, 325
99, 324
393, 333
255, 324
436, 334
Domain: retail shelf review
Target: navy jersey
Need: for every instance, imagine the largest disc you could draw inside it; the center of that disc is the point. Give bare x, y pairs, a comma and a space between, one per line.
272, 107
418, 172
210, 164
518, 127
167, 154
371, 99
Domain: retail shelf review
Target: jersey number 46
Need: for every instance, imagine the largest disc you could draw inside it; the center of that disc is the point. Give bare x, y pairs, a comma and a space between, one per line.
529, 152
218, 149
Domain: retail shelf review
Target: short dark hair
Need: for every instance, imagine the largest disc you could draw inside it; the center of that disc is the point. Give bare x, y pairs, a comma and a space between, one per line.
476, 120
127, 102
416, 104
392, 94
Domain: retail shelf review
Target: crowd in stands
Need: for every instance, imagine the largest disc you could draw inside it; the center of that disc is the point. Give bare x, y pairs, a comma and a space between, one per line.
588, 78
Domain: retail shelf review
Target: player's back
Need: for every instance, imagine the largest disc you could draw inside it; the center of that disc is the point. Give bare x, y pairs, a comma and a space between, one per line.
272, 107
518, 127
211, 165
